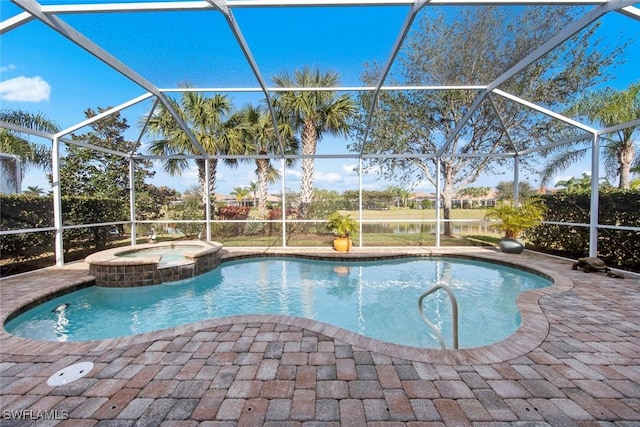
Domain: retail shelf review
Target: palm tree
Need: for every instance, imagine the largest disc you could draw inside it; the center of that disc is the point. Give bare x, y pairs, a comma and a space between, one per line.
240, 193
605, 108
253, 188
312, 114
255, 130
575, 185
34, 190
473, 193
208, 119
17, 143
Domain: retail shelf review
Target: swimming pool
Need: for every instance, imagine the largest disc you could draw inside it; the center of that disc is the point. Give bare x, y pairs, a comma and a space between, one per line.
377, 299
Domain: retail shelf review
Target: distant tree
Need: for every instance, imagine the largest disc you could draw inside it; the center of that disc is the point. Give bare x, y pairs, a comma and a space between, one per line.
33, 190
312, 114
253, 188
240, 193
481, 44
152, 202
327, 201
192, 194
17, 143
207, 118
254, 130
401, 194
576, 185
605, 108
473, 193
88, 172
162, 195
506, 190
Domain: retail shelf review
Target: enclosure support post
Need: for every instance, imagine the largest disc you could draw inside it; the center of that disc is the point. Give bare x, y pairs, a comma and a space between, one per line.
207, 180
593, 219
284, 204
438, 202
516, 179
57, 201
18, 174
360, 201
132, 201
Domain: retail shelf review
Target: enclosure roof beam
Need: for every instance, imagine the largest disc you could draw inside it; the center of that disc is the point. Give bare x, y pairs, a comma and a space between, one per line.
19, 128
325, 156
205, 4
143, 130
325, 89
557, 143
78, 38
589, 17
223, 7
102, 115
94, 147
621, 126
544, 110
631, 12
504, 125
406, 26
15, 21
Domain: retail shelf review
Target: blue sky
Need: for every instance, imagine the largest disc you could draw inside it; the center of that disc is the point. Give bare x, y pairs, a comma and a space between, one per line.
40, 71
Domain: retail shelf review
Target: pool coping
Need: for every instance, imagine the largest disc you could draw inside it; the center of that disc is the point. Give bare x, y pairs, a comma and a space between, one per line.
531, 333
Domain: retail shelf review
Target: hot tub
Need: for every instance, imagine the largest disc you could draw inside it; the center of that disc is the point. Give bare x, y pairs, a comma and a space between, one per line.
153, 263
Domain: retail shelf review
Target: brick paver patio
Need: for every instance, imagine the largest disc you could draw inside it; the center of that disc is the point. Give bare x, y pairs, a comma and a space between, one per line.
574, 361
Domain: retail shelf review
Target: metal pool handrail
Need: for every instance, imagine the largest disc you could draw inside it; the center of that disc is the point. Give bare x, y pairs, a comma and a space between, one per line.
454, 314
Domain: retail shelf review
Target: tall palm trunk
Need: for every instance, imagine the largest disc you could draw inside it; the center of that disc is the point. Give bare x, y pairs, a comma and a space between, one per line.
262, 166
625, 157
309, 144
202, 173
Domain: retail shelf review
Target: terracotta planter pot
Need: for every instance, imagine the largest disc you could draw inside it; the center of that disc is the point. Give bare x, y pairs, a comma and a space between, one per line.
342, 244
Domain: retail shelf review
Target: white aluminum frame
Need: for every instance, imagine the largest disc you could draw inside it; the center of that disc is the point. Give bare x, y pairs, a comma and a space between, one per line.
49, 15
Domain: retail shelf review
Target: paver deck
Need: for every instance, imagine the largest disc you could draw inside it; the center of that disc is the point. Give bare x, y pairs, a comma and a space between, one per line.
574, 361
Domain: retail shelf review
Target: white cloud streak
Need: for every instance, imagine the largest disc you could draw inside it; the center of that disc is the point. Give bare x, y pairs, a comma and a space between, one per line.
6, 68
25, 89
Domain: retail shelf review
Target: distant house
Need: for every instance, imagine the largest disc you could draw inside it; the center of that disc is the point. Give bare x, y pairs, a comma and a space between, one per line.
467, 201
419, 197
458, 201
545, 190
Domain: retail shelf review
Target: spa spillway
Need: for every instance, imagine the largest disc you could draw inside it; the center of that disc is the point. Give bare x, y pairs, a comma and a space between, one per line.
153, 263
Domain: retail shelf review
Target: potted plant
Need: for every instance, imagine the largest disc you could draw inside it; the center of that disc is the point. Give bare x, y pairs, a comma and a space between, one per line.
343, 227
514, 220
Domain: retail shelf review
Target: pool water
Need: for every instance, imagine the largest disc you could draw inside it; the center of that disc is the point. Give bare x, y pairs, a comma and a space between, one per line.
168, 255
377, 299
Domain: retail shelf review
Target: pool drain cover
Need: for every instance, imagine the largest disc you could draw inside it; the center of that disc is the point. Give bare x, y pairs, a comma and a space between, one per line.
70, 374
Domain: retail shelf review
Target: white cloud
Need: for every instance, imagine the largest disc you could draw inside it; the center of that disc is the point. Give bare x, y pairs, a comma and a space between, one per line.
293, 174
350, 168
25, 89
557, 179
330, 177
6, 68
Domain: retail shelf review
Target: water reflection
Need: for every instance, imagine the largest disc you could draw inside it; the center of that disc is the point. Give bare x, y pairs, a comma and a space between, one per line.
472, 227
